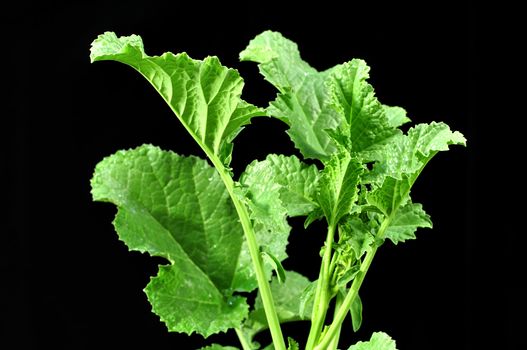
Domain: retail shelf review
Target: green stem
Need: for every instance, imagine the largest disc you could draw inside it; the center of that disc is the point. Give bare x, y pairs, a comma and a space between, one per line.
343, 310
320, 305
243, 341
254, 251
335, 341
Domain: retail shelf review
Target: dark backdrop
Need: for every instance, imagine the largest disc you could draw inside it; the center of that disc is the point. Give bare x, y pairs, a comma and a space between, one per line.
68, 283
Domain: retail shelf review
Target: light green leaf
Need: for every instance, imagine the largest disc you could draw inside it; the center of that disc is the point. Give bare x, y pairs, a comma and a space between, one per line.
365, 122
403, 160
378, 341
303, 99
275, 263
357, 235
274, 188
282, 181
292, 344
391, 194
406, 221
307, 299
204, 95
218, 347
356, 313
178, 208
339, 185
287, 302
396, 116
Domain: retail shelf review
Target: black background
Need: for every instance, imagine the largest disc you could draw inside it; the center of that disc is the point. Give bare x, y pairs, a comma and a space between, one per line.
68, 283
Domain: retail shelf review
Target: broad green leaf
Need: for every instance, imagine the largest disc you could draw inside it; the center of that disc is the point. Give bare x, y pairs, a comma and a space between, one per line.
287, 302
274, 188
303, 99
339, 185
283, 181
356, 313
178, 208
378, 341
406, 221
403, 160
218, 347
204, 95
365, 122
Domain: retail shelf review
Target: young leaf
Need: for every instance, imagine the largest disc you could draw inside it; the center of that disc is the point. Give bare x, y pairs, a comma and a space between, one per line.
204, 95
218, 347
338, 185
355, 233
378, 341
287, 301
275, 263
396, 116
356, 313
406, 221
364, 120
178, 208
292, 344
403, 160
303, 99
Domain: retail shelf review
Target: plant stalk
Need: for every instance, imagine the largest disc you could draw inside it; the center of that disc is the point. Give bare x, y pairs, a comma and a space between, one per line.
243, 341
343, 310
254, 251
335, 341
320, 305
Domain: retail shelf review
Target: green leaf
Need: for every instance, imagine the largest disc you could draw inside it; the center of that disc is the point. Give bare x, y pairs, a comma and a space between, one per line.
365, 122
282, 181
403, 160
204, 95
275, 263
357, 235
356, 313
287, 302
396, 116
307, 299
178, 208
406, 221
273, 189
303, 99
339, 185
378, 341
292, 344
218, 347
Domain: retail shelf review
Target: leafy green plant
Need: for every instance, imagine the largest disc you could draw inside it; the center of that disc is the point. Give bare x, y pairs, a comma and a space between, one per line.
224, 237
